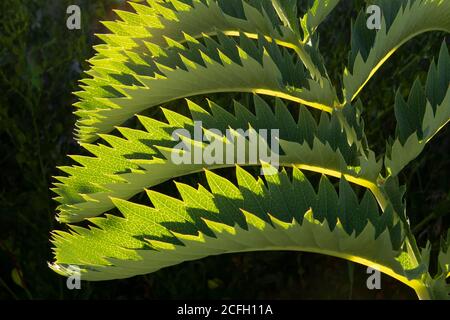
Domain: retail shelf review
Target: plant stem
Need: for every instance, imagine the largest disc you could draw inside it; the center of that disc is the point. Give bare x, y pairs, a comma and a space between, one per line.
422, 292
413, 249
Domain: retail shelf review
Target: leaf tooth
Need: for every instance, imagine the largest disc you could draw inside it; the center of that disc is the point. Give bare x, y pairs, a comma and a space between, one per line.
173, 44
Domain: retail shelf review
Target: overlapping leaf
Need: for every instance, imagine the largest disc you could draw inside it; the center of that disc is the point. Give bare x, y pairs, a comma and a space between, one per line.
172, 49
133, 73
284, 213
276, 19
401, 21
144, 158
319, 10
420, 118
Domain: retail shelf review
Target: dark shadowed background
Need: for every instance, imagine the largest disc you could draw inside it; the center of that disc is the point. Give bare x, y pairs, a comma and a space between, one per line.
40, 64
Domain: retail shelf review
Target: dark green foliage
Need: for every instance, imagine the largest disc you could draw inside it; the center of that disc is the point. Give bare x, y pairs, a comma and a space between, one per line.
40, 63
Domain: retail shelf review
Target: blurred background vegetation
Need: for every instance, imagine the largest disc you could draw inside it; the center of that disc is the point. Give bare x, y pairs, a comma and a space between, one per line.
40, 64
